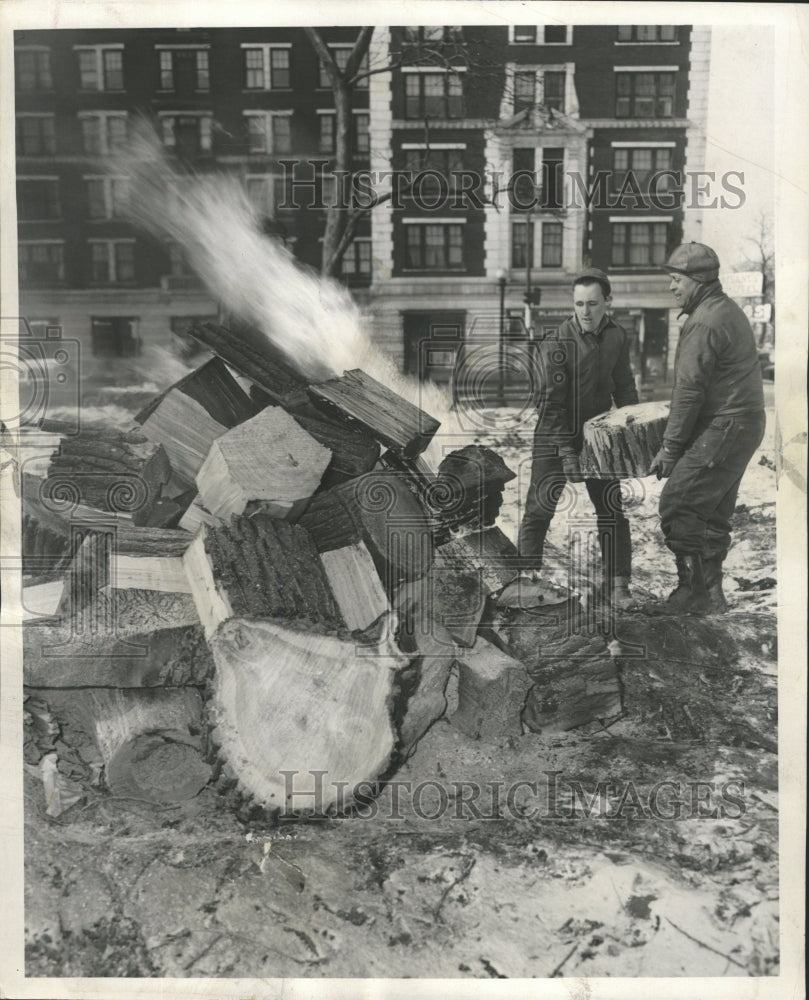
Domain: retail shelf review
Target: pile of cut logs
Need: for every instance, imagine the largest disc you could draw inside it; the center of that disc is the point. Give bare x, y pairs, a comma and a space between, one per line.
261, 585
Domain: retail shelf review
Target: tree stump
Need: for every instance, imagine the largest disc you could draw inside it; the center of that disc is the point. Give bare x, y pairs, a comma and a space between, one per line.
621, 444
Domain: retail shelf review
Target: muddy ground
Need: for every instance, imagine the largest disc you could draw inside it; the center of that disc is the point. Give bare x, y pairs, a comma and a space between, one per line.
670, 870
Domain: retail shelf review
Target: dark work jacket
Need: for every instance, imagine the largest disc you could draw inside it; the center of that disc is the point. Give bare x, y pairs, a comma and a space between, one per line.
716, 368
581, 375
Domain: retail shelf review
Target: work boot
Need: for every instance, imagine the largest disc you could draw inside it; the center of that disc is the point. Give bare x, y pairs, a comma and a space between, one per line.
690, 596
713, 582
621, 597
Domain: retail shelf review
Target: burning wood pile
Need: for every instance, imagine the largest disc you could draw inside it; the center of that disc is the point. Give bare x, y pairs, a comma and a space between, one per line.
262, 577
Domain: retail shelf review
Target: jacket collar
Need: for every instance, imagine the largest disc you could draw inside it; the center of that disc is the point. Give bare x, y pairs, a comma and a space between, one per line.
707, 290
606, 320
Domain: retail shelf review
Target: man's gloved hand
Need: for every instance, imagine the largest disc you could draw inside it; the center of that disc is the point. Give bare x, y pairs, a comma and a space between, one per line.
663, 463
572, 469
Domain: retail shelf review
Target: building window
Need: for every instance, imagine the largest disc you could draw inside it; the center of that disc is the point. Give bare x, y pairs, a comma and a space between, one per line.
553, 90
266, 67
112, 261
38, 199
433, 95
341, 54
259, 193
541, 34
446, 162
188, 135
525, 90
106, 196
644, 95
35, 135
519, 246
101, 67
114, 336
326, 141
184, 70
357, 259
552, 244
41, 263
269, 132
435, 246
643, 163
647, 33
103, 131
639, 244
433, 34
32, 69
362, 137
553, 180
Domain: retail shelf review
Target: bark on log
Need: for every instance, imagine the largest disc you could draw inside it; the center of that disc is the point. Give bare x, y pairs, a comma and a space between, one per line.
380, 510
149, 741
252, 355
492, 691
258, 567
388, 417
300, 718
269, 459
117, 473
622, 443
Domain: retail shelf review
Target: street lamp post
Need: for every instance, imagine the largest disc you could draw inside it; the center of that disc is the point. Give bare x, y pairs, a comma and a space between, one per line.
501, 353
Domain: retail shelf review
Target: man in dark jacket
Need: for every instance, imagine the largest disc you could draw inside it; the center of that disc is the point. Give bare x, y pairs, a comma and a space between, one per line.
715, 425
584, 368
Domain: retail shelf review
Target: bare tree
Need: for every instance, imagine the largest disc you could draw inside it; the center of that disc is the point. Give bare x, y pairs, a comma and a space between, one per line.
343, 216
759, 254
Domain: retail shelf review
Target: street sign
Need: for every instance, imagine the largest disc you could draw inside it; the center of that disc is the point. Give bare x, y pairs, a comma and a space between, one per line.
760, 313
741, 284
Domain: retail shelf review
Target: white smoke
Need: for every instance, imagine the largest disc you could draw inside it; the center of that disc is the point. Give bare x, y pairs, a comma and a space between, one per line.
311, 319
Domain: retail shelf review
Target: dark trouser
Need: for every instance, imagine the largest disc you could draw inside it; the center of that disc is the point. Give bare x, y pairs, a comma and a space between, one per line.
546, 488
699, 497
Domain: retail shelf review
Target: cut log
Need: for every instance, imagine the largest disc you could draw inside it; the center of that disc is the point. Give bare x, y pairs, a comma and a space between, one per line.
131, 557
301, 719
252, 355
355, 584
258, 567
270, 459
459, 598
468, 489
492, 691
149, 741
422, 696
120, 472
214, 388
622, 443
380, 510
354, 451
189, 416
141, 639
486, 551
391, 419
196, 516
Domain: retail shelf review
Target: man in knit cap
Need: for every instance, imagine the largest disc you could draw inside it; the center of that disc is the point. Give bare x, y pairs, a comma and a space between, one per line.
715, 425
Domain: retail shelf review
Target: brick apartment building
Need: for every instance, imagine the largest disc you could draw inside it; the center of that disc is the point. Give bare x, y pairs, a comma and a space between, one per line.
567, 104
